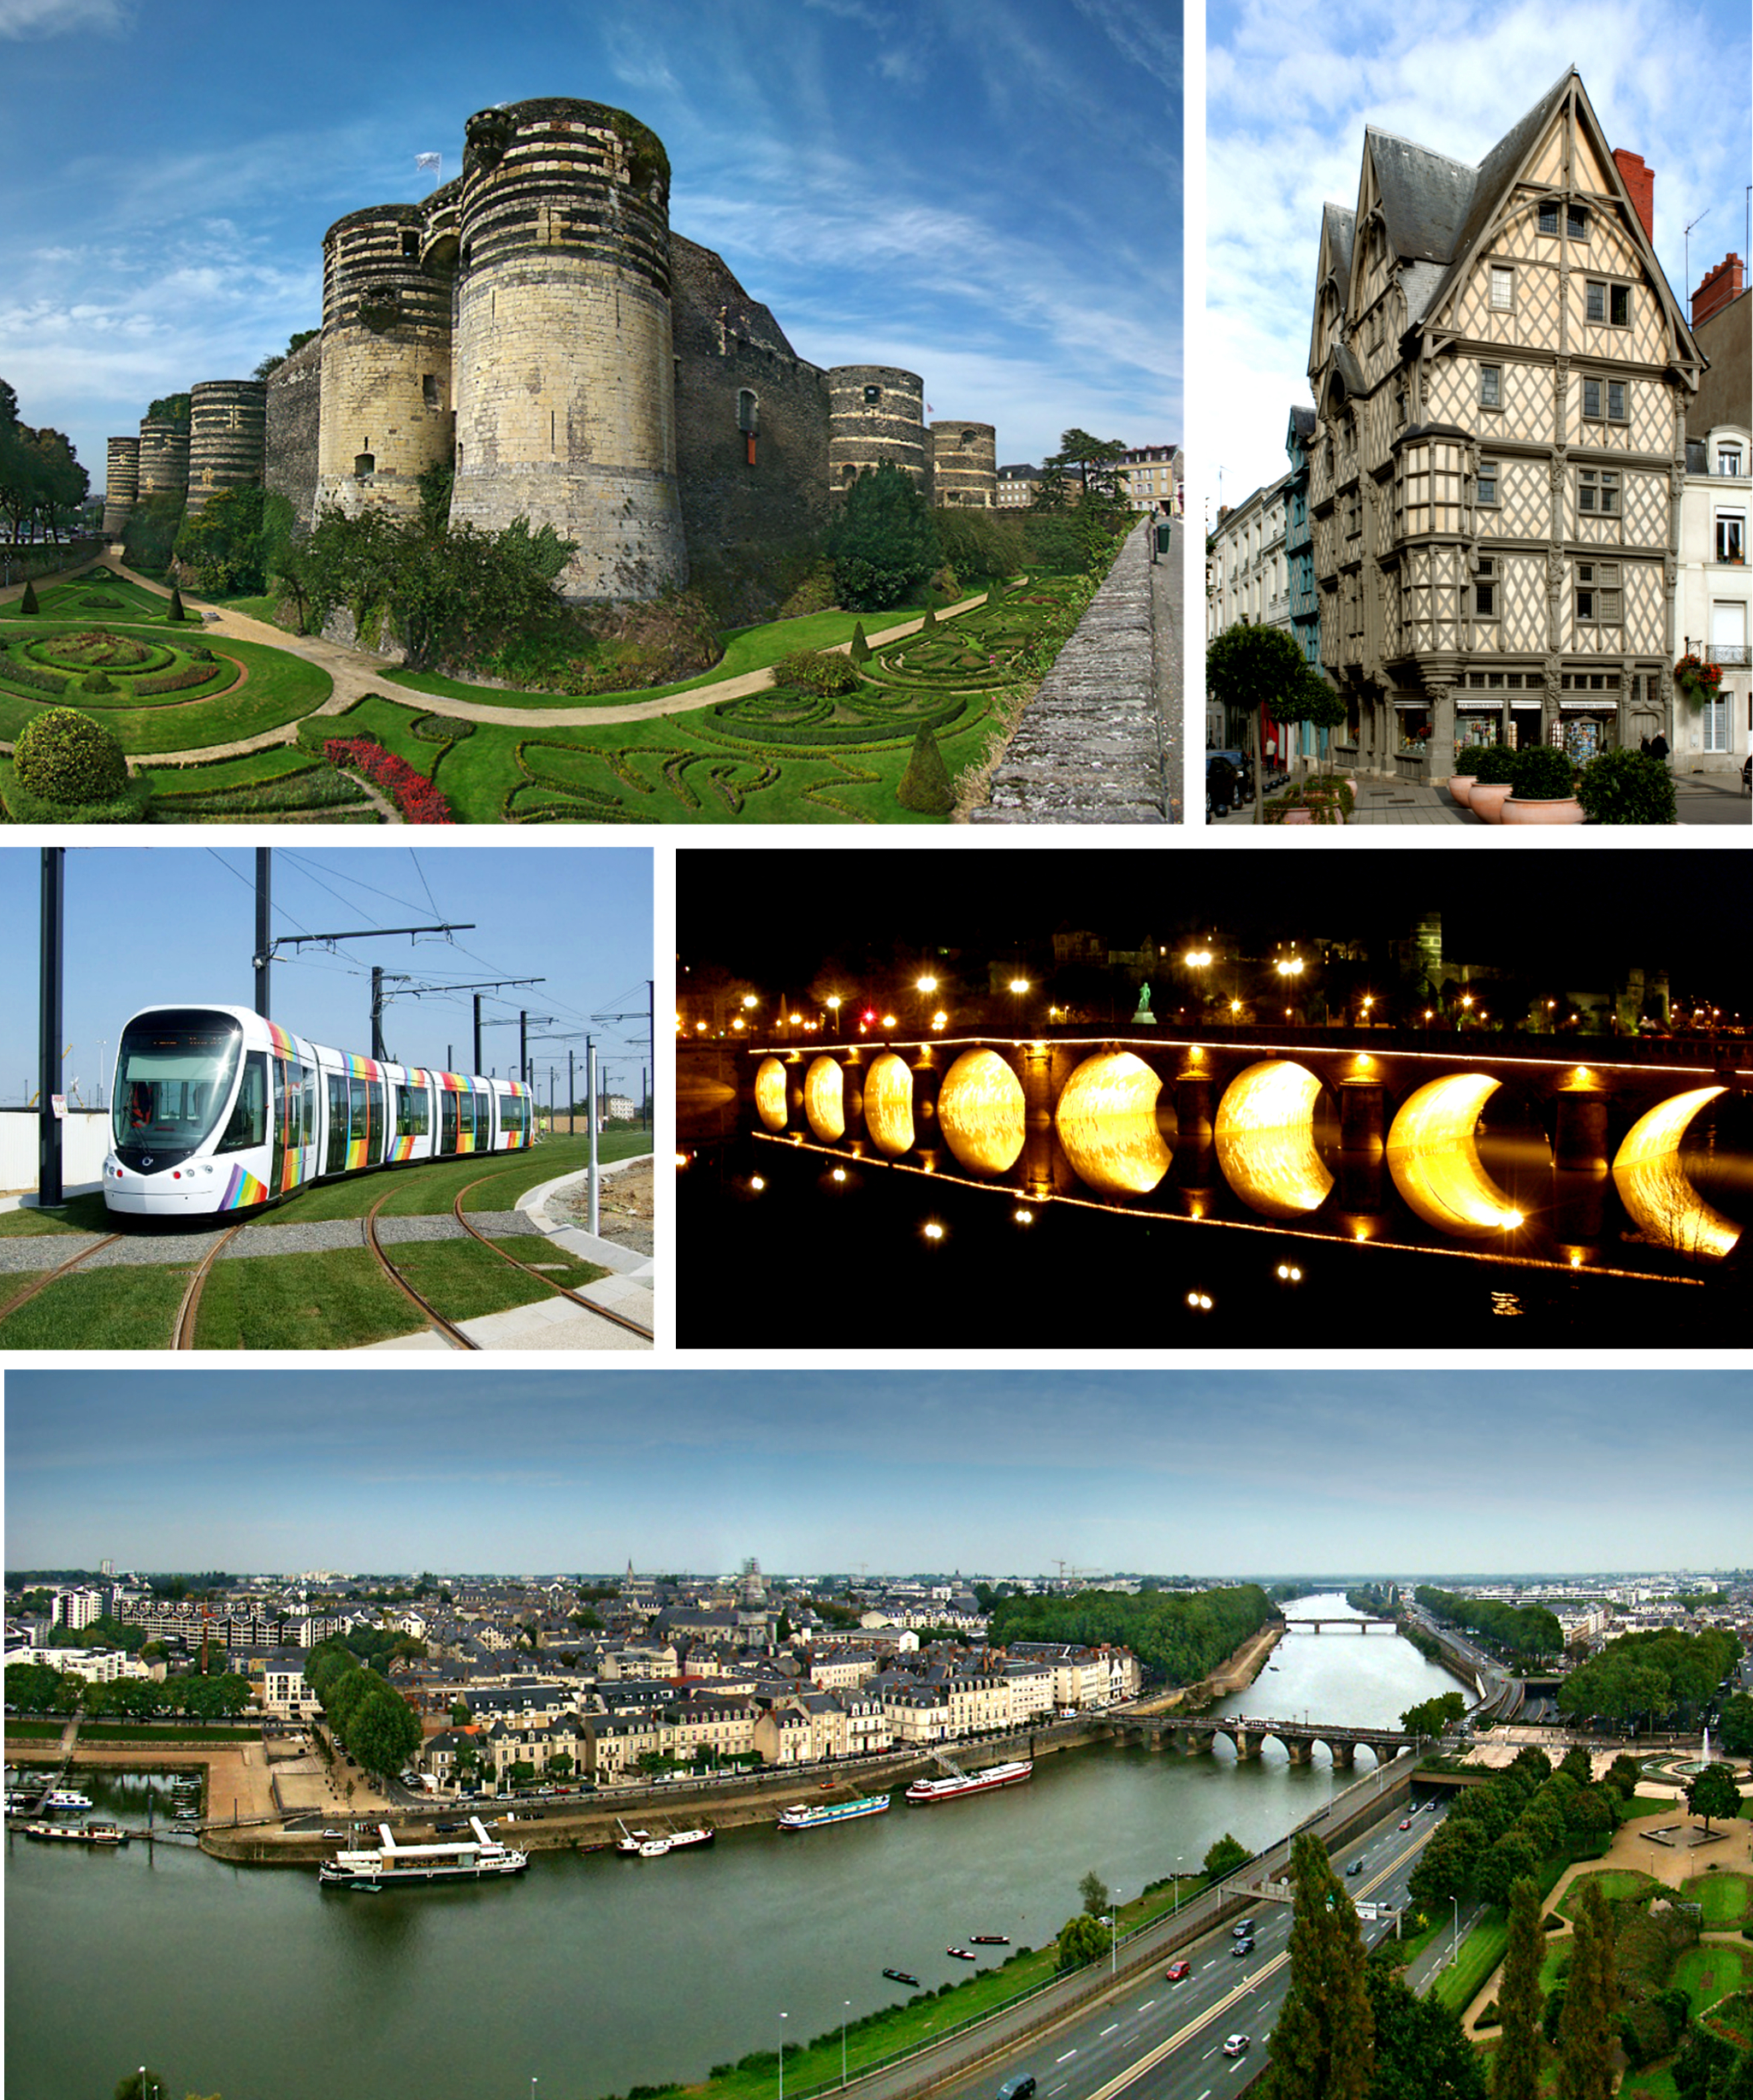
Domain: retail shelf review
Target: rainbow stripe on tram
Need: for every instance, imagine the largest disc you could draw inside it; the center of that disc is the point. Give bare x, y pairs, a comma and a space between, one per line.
242, 1189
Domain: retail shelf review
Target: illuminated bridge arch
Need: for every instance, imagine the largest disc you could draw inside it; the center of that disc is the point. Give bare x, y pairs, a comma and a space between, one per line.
825, 1099
1653, 1186
770, 1093
1433, 1155
888, 1105
1106, 1119
1264, 1135
981, 1113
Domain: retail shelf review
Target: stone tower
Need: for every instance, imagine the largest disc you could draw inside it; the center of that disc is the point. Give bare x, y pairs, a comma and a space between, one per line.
121, 484
876, 413
564, 362
164, 458
228, 437
965, 463
387, 409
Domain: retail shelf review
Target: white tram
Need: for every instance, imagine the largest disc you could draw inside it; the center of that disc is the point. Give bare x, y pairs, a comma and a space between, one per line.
218, 1109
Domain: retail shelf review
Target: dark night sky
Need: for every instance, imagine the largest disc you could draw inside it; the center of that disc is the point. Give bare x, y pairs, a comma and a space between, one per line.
776, 916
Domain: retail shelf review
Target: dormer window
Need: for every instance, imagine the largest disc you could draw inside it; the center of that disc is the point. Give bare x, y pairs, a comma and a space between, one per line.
1729, 461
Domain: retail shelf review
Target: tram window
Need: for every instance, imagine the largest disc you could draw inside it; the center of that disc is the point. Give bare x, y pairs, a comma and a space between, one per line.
249, 1117
404, 1111
419, 1112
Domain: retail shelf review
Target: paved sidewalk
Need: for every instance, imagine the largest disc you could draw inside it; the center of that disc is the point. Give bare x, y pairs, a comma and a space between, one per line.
1713, 798
1701, 798
1167, 592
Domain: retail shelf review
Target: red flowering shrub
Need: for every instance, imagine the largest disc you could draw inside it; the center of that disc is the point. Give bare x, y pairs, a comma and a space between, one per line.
413, 795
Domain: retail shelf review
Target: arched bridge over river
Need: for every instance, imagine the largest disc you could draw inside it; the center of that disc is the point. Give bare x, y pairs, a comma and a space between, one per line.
1249, 1733
1193, 1125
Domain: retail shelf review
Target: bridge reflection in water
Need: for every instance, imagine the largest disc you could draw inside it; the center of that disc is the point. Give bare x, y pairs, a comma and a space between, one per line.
1490, 1146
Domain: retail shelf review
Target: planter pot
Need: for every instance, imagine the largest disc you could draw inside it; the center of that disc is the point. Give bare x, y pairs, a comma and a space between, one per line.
1460, 786
1296, 816
1486, 799
1565, 809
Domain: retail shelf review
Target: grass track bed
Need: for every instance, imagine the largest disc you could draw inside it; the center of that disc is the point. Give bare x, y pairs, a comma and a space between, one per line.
340, 1299
463, 1279
123, 1308
556, 1265
1481, 1951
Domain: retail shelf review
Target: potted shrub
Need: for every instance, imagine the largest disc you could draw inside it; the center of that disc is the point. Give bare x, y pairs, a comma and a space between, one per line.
1460, 781
1626, 787
1494, 769
1542, 788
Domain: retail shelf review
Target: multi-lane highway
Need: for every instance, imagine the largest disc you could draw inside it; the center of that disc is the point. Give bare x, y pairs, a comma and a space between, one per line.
1161, 2040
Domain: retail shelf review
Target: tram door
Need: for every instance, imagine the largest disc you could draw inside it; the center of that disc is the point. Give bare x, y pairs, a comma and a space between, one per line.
279, 1100
334, 1151
447, 1124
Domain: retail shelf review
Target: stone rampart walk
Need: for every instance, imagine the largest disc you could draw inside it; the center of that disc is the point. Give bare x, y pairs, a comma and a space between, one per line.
1089, 748
357, 673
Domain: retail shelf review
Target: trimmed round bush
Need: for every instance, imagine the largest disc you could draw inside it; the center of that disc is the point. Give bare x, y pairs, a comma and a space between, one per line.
95, 682
1626, 787
1494, 765
822, 672
1543, 773
64, 756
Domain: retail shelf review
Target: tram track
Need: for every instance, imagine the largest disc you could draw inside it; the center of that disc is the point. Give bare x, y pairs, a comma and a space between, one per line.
52, 1275
183, 1333
587, 1305
450, 1332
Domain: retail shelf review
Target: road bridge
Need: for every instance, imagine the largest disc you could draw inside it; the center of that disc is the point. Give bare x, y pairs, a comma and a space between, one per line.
1195, 1734
1183, 1124
1346, 1625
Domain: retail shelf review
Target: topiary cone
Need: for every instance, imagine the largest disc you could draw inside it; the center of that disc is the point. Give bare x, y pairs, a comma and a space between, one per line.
931, 617
28, 602
860, 650
176, 611
925, 786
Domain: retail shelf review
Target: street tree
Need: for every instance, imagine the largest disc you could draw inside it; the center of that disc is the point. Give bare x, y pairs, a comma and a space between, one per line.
1250, 668
1422, 2051
1515, 2069
1713, 1792
1093, 458
1578, 1765
1737, 1732
1225, 1856
1434, 1717
1588, 2028
1082, 1939
1323, 2043
1514, 1855
1094, 1891
383, 1733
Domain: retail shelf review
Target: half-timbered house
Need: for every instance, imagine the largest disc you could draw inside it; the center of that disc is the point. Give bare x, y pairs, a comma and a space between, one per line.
1500, 377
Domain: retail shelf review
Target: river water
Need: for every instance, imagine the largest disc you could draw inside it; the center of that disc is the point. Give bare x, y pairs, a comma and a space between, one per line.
594, 1973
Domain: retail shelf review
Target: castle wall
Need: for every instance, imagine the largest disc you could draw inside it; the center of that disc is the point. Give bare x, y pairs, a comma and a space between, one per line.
388, 412
164, 458
751, 416
564, 359
122, 484
294, 414
228, 437
877, 414
965, 463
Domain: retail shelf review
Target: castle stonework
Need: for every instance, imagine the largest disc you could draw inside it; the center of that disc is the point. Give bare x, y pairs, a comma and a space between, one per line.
965, 463
228, 437
121, 485
535, 326
164, 458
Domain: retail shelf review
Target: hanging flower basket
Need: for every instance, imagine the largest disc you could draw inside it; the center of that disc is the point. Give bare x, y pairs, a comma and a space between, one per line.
1697, 680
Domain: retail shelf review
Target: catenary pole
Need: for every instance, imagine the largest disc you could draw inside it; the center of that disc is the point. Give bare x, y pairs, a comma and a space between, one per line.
49, 1189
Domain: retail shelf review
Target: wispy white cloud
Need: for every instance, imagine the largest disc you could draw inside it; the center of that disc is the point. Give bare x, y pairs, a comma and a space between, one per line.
56, 18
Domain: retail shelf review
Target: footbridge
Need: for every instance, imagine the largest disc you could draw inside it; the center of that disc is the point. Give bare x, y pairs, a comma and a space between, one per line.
1220, 1123
1249, 1733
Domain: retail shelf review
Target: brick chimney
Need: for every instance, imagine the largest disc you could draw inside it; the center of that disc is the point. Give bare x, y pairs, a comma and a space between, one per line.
1640, 181
1716, 288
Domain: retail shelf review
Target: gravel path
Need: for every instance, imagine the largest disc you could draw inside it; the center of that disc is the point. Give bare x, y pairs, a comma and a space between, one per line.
30, 1256
624, 1210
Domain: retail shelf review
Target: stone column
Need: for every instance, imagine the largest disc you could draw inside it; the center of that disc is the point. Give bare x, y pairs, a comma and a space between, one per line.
1360, 1115
1579, 1141
1439, 752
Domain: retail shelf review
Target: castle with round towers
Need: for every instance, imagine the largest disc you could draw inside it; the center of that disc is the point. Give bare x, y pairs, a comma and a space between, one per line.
536, 326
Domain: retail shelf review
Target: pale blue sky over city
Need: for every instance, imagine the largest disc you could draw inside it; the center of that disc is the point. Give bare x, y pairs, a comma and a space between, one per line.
177, 925
1289, 90
905, 182
1197, 1472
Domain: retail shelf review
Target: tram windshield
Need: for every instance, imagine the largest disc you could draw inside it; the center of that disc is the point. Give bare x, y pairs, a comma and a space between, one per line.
173, 1080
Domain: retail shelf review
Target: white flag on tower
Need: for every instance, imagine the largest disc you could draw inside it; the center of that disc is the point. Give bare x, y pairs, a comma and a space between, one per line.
433, 162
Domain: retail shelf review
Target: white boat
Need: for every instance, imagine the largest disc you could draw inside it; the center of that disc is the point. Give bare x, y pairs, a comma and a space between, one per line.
803, 1818
388, 1865
62, 1797
925, 1791
644, 1845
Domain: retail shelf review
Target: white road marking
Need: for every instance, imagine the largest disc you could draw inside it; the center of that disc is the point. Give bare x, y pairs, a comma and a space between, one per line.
1115, 2029
1147, 2004
1067, 2057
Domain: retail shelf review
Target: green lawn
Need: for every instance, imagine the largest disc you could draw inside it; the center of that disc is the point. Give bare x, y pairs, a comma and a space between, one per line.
1713, 1970
1655, 2082
1459, 1985
131, 1308
746, 649
429, 1188
1726, 1899
78, 1214
556, 1265
1616, 1884
463, 1279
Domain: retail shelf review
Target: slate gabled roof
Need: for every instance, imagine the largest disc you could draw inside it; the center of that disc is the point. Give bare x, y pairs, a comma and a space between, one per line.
1424, 197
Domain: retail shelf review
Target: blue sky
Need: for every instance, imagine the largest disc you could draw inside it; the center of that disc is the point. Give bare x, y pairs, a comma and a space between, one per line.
1289, 91
1205, 1472
984, 191
147, 927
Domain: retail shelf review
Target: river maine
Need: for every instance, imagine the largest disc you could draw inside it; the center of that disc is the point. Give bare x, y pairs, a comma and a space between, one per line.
596, 1973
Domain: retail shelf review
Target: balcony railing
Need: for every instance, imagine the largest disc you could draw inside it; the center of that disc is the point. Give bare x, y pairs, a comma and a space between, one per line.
1732, 656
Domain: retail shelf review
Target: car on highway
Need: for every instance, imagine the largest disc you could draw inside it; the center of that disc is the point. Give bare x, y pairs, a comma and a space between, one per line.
1244, 1930
1237, 2045
334, 1833
1356, 1868
1017, 2088
1177, 1971
1406, 1823
1242, 1947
